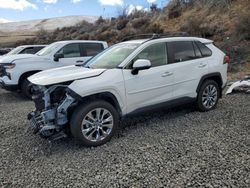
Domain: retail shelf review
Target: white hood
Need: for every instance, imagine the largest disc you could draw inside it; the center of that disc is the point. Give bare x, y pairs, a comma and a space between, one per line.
11, 58
63, 74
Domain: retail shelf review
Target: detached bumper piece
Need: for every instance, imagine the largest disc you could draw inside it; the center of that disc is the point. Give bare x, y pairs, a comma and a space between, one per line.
242, 85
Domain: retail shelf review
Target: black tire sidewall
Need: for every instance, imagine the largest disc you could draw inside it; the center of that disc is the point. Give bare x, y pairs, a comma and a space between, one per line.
25, 88
79, 114
200, 105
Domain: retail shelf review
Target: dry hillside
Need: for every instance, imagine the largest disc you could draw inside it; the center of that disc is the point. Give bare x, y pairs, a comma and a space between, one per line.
14, 31
227, 22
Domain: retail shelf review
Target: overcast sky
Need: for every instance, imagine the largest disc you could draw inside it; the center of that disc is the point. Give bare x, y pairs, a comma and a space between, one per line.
19, 10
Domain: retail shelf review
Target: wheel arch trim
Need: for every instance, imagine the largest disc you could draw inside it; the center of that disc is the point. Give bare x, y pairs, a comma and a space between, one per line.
213, 76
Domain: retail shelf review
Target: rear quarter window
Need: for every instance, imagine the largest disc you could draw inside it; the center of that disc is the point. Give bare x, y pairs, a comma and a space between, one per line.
205, 51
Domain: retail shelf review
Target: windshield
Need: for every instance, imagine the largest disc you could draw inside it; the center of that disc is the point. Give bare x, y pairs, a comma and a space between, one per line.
15, 50
47, 50
112, 57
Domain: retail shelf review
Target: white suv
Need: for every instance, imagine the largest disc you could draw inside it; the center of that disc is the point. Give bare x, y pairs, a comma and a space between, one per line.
15, 69
126, 78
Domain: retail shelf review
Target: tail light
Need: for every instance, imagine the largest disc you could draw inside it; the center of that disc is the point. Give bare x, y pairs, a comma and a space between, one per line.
226, 59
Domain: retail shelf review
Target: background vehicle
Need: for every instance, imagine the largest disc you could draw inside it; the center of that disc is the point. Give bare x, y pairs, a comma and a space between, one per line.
125, 79
15, 69
4, 51
26, 49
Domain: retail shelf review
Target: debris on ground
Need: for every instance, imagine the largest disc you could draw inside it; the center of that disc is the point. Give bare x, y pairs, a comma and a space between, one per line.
240, 86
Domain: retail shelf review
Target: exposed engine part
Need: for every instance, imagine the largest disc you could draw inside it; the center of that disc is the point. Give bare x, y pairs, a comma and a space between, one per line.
62, 110
242, 84
49, 118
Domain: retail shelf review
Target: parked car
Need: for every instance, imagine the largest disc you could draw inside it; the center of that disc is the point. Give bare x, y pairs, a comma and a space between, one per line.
4, 51
26, 49
15, 69
125, 79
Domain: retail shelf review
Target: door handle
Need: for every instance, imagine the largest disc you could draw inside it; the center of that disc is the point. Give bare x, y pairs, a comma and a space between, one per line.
79, 61
202, 65
165, 74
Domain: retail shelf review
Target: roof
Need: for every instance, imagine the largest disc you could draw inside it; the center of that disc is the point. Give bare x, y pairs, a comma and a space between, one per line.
35, 45
80, 41
140, 41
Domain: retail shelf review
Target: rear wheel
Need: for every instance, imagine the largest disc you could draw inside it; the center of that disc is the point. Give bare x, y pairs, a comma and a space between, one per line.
94, 123
25, 88
208, 96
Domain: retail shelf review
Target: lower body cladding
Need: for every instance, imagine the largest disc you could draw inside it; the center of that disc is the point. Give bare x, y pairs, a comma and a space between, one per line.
51, 114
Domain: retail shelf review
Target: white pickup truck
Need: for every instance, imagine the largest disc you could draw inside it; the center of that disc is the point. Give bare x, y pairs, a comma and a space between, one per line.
15, 69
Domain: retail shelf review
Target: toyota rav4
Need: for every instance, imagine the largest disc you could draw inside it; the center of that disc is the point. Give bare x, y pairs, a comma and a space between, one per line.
126, 78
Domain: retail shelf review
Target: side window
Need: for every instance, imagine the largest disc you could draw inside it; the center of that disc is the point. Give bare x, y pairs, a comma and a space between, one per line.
92, 49
37, 49
156, 53
205, 51
180, 51
29, 50
70, 51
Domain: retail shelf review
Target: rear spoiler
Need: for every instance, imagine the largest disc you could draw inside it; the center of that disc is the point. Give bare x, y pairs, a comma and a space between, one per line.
204, 41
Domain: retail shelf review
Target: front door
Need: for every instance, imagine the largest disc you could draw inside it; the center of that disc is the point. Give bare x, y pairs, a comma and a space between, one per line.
72, 55
152, 86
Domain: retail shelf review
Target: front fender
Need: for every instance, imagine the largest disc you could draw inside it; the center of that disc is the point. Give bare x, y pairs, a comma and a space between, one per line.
110, 81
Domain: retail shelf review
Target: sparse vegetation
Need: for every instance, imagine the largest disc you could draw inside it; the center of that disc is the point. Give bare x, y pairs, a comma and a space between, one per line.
217, 20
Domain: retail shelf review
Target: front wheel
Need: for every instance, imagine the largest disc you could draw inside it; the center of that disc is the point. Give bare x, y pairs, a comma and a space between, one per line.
208, 96
94, 123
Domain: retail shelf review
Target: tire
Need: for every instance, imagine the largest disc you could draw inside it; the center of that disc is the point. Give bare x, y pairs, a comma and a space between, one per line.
25, 89
208, 96
90, 130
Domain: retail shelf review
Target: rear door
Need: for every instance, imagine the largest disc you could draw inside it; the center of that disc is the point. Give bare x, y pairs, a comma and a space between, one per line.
90, 49
189, 66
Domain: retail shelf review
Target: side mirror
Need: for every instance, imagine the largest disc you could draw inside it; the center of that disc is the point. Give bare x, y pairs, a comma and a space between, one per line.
140, 64
58, 56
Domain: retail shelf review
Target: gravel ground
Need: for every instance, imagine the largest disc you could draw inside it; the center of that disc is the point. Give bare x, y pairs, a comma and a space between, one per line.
171, 148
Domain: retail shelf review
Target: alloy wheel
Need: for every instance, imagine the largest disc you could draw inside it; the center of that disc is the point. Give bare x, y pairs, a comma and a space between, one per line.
209, 96
97, 124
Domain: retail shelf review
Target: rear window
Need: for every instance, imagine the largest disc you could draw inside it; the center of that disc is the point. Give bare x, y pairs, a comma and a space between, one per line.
180, 51
92, 49
205, 51
31, 50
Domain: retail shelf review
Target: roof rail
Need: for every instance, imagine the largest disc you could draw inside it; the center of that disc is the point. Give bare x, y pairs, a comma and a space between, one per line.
152, 36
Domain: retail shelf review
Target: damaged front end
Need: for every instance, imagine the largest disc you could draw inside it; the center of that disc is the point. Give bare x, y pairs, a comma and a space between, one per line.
52, 110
